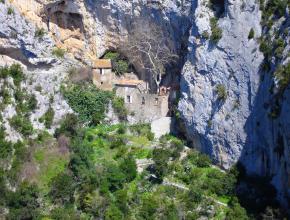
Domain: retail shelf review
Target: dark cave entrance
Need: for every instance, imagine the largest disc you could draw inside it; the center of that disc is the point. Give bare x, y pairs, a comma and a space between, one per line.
218, 6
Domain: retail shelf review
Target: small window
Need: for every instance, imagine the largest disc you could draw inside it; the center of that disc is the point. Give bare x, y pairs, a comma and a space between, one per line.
143, 101
102, 71
129, 99
156, 101
102, 83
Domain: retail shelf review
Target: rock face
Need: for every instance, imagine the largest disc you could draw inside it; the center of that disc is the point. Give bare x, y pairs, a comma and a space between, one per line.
237, 128
216, 126
230, 129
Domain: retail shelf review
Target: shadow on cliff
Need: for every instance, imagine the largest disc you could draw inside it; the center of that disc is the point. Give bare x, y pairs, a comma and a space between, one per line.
259, 156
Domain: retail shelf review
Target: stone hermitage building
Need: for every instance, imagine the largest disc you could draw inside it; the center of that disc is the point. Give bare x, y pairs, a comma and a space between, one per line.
143, 105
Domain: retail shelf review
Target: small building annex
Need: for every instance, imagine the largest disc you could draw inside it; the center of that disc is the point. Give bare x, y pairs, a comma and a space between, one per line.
103, 75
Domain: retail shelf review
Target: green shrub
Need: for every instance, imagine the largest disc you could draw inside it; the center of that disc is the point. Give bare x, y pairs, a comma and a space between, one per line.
112, 55
63, 187
69, 126
113, 213
160, 158
265, 47
22, 125
39, 33
58, 52
279, 46
15, 71
120, 65
129, 168
216, 32
6, 148
24, 202
6, 96
119, 108
251, 34
142, 130
32, 103
282, 74
10, 11
221, 92
89, 102
47, 118
205, 35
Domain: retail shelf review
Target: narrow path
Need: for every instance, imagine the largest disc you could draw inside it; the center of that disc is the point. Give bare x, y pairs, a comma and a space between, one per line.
183, 187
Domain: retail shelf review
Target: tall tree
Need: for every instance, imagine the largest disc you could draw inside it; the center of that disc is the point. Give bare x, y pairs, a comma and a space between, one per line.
148, 46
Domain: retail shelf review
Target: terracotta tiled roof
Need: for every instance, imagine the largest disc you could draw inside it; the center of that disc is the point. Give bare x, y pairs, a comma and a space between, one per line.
130, 82
103, 64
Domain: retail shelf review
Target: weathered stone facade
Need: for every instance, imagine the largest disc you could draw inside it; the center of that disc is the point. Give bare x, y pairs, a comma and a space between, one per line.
143, 106
103, 77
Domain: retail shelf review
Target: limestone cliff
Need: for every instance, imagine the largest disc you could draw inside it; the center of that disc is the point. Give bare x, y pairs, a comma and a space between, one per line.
237, 127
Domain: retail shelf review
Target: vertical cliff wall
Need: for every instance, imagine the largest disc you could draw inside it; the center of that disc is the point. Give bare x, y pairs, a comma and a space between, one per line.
237, 126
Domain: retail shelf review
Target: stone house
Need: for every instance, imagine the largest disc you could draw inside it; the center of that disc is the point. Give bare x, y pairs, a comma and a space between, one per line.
143, 106
103, 76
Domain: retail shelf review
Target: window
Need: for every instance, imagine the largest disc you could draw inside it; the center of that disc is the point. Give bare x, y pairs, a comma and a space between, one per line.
156, 101
102, 71
129, 99
143, 101
102, 83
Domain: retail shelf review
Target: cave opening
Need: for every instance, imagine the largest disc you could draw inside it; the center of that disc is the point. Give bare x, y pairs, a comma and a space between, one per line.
218, 6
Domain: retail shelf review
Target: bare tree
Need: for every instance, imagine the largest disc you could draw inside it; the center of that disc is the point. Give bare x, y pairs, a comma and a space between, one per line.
149, 47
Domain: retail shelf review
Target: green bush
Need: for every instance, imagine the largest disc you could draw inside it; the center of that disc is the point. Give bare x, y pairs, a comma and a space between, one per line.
120, 65
6, 96
24, 202
265, 47
221, 92
6, 148
39, 33
205, 35
160, 158
63, 187
251, 34
279, 46
22, 125
216, 32
58, 52
47, 118
70, 126
282, 74
142, 130
10, 11
89, 102
15, 71
129, 168
119, 108
113, 213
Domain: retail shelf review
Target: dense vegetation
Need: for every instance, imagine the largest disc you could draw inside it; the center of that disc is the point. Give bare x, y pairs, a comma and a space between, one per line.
91, 103
91, 172
120, 64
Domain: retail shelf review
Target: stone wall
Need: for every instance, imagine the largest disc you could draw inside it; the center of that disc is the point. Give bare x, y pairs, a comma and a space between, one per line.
105, 80
143, 107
